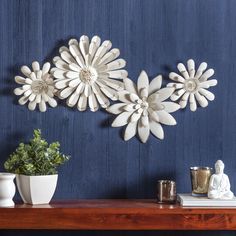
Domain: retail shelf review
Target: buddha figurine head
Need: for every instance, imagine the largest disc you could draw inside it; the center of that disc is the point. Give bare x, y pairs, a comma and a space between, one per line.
219, 167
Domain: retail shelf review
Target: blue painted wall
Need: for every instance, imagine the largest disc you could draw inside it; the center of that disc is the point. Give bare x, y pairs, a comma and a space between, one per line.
153, 35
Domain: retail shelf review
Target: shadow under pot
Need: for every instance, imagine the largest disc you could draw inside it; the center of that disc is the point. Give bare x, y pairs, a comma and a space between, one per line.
36, 189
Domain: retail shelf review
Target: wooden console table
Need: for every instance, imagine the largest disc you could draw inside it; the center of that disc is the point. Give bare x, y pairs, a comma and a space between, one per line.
116, 215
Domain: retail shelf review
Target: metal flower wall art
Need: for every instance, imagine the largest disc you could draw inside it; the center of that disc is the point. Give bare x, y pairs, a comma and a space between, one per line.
87, 73
37, 87
144, 108
192, 85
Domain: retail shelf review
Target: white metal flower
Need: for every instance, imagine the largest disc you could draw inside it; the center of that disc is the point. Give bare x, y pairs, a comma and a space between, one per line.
37, 87
86, 73
192, 86
144, 108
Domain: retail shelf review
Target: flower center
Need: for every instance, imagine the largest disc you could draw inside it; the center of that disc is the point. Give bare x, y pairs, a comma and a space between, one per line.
144, 105
191, 85
88, 75
39, 86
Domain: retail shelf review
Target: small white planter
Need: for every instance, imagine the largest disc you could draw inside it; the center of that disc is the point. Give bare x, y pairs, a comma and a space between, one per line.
36, 189
7, 189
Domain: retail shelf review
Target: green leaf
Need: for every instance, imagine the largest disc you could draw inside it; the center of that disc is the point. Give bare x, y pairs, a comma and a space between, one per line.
36, 158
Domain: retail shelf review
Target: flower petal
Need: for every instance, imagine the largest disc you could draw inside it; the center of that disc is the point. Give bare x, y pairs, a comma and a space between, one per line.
87, 90
82, 104
74, 49
80, 88
144, 120
165, 118
201, 100
109, 92
184, 100
200, 70
116, 108
18, 91
115, 65
74, 83
182, 69
155, 84
35, 66
206, 75
26, 71
42, 106
103, 100
209, 95
208, 83
156, 129
19, 79
191, 68
192, 101
175, 77
124, 96
46, 68
23, 100
32, 97
60, 64
170, 106
93, 104
105, 47
143, 132
122, 119
52, 102
72, 74
84, 45
135, 116
130, 86
60, 84
130, 131
66, 92
32, 105
117, 85
94, 45
161, 94
66, 56
73, 99
110, 56
118, 74
177, 94
143, 81
59, 74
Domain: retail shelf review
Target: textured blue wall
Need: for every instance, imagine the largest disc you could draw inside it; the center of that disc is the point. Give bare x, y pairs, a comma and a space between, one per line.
152, 35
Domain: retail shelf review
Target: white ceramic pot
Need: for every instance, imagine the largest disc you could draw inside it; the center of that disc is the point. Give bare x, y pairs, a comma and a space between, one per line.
36, 189
7, 189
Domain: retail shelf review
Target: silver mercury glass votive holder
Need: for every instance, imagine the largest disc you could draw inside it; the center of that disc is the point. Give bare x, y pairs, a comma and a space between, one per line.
200, 177
166, 191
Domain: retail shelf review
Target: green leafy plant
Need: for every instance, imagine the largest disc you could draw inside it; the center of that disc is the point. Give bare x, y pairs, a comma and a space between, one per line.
36, 158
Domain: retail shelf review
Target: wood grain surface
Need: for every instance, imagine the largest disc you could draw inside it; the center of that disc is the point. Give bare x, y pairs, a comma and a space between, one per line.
116, 215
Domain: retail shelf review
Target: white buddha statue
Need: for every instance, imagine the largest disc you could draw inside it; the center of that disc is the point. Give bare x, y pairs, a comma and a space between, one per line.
219, 185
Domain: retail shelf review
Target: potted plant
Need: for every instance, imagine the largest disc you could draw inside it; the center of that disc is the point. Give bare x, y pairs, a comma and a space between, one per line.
35, 165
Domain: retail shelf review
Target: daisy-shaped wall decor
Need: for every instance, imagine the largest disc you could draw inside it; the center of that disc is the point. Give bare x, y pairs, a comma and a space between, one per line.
86, 73
37, 87
143, 108
192, 85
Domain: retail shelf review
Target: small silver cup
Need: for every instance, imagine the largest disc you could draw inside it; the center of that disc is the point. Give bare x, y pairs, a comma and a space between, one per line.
166, 191
200, 177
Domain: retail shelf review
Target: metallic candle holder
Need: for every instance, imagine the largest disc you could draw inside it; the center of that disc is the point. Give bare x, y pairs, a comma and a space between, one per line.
166, 191
200, 177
